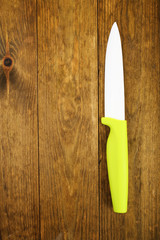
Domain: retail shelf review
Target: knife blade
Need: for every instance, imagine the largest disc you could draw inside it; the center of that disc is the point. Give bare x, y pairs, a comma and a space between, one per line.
117, 143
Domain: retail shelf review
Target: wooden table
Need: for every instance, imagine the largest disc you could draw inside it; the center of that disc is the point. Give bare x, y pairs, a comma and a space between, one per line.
53, 173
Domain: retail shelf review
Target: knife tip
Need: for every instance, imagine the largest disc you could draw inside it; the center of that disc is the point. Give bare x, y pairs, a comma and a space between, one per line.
115, 25
115, 29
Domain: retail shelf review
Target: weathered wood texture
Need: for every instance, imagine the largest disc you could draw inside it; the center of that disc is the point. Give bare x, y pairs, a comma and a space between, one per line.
51, 185
68, 119
139, 25
19, 198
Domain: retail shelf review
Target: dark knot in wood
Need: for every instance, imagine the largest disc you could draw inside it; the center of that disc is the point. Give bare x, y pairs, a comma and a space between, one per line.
7, 67
7, 62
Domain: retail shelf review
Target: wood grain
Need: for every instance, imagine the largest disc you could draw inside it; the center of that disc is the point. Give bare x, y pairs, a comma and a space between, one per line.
19, 198
53, 172
139, 25
68, 119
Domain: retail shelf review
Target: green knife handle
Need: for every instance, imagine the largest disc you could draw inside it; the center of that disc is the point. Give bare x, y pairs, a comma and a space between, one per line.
117, 162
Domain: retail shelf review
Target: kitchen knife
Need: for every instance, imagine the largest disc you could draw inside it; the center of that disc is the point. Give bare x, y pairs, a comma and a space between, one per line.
117, 144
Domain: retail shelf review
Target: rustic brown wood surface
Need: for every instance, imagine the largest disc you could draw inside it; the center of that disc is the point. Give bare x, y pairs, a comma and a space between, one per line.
68, 119
19, 197
53, 172
139, 25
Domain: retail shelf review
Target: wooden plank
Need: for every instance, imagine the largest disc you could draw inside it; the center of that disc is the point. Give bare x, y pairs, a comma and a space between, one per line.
19, 197
139, 26
68, 119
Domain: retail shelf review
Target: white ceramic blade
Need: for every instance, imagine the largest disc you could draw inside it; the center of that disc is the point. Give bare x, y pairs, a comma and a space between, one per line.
114, 77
